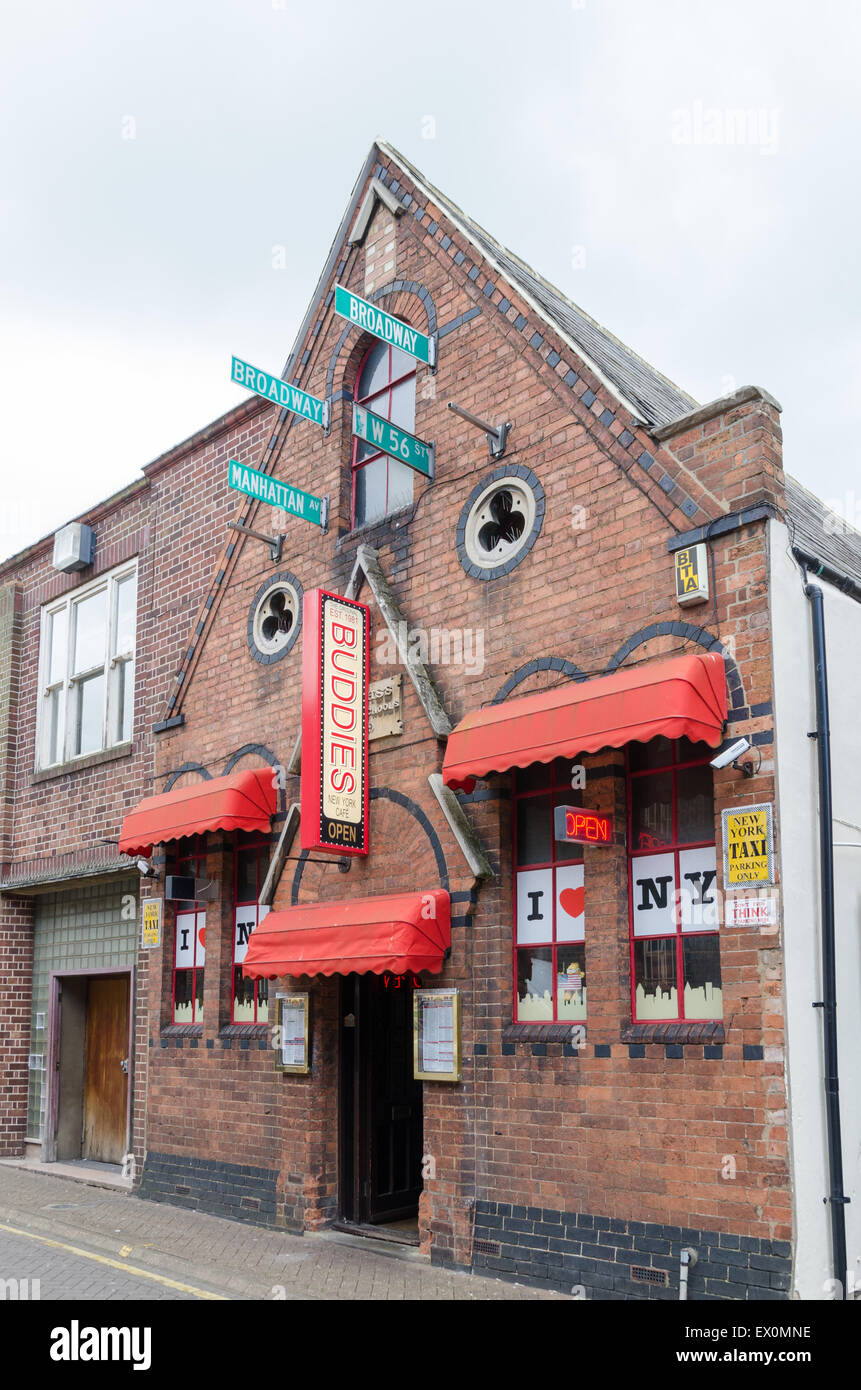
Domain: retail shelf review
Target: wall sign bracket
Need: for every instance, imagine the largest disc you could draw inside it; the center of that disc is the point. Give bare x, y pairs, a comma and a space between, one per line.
497, 435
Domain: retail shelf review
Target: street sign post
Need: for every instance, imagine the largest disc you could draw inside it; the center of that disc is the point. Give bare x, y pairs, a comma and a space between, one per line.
383, 435
289, 499
385, 326
272, 388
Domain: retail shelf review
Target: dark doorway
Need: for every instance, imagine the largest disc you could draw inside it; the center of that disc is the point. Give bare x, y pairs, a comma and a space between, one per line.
90, 1058
381, 1103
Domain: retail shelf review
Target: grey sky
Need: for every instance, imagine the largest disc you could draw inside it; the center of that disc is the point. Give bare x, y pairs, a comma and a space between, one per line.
591, 137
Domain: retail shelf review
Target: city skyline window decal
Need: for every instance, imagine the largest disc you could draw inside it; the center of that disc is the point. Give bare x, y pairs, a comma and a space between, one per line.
549, 901
250, 998
675, 942
190, 937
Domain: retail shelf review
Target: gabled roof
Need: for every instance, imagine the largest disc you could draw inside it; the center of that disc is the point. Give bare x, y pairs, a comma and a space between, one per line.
821, 533
654, 397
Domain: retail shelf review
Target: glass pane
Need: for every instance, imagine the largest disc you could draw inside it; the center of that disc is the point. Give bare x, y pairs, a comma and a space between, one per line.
658, 752
262, 1001
401, 363
401, 480
124, 631
198, 996
534, 830
701, 965
652, 811
90, 631
532, 778
571, 982
371, 491
59, 627
90, 713
568, 849
182, 1010
694, 790
375, 372
404, 405
535, 984
124, 709
246, 876
243, 997
686, 751
55, 725
655, 979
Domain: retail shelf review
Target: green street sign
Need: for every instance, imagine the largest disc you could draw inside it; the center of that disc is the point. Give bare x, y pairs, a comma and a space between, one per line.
393, 441
272, 388
289, 499
383, 325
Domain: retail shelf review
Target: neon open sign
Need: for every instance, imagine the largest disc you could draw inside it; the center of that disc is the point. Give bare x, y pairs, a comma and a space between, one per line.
584, 827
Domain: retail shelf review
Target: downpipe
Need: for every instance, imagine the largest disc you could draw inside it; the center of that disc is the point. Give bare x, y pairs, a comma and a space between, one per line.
687, 1259
836, 1198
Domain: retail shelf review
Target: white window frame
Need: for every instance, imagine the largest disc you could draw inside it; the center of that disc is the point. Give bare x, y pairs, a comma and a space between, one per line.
110, 668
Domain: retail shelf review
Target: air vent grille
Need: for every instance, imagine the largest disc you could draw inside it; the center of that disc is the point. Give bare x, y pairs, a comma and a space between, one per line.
641, 1275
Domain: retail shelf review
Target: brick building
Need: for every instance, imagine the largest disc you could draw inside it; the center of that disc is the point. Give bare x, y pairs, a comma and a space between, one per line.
625, 1054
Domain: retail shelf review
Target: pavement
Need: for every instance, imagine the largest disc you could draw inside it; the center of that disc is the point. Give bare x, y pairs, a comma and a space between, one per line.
83, 1241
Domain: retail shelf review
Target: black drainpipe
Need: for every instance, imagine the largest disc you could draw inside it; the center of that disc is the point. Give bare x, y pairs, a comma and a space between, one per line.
828, 1004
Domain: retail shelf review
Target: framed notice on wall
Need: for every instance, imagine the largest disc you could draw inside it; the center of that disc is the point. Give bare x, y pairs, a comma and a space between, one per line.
150, 923
748, 846
292, 1041
436, 1035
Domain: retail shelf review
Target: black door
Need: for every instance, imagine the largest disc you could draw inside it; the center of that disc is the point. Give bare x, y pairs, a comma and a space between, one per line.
381, 1103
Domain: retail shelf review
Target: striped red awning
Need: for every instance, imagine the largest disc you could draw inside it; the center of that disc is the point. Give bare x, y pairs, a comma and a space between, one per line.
396, 932
244, 800
684, 697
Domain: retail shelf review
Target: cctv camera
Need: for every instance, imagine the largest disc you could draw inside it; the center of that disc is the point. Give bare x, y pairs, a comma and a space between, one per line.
729, 755
146, 869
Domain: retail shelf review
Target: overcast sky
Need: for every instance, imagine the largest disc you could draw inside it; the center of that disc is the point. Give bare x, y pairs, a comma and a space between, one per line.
156, 151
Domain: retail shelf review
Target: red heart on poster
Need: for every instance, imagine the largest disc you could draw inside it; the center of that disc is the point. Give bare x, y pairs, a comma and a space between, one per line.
201, 936
573, 901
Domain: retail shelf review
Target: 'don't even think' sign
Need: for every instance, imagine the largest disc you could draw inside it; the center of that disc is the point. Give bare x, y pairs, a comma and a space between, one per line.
334, 787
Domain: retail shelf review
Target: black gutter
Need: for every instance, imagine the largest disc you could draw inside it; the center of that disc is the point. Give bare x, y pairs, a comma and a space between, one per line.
836, 1197
831, 576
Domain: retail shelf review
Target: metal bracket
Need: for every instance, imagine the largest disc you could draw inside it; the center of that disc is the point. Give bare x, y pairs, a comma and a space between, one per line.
275, 543
497, 435
433, 351
324, 514
327, 414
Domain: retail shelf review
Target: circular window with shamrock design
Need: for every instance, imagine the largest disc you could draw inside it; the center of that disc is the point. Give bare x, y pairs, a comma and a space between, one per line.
500, 522
275, 618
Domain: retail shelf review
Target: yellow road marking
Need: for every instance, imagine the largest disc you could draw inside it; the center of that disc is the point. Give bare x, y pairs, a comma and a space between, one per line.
117, 1264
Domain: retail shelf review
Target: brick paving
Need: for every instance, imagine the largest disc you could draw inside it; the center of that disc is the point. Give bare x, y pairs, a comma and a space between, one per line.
208, 1252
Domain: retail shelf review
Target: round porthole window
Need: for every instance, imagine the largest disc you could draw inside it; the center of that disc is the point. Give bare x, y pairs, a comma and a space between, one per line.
275, 618
500, 522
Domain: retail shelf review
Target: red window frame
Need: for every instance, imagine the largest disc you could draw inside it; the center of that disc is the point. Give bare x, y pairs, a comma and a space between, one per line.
560, 791
674, 767
243, 844
190, 860
357, 464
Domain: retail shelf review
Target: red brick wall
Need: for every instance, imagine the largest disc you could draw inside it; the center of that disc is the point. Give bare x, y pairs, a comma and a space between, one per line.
627, 1137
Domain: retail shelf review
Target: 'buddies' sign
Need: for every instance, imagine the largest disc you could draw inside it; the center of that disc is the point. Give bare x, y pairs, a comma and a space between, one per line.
334, 795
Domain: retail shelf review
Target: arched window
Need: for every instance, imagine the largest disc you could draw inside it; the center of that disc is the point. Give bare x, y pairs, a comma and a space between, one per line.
385, 385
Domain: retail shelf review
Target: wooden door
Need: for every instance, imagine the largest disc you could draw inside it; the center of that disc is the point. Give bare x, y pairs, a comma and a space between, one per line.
381, 1103
105, 1078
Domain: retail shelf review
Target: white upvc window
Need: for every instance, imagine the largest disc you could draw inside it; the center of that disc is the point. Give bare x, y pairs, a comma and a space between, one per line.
87, 669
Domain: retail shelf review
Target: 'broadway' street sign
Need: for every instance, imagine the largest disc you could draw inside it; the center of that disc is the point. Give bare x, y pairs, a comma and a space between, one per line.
266, 489
272, 388
383, 325
393, 441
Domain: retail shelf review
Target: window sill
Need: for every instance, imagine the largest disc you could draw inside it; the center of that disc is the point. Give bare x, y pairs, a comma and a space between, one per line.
182, 1030
544, 1032
362, 531
710, 1031
107, 755
244, 1030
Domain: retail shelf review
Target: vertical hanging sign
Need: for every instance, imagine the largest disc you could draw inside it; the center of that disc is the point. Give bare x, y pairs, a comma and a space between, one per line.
334, 796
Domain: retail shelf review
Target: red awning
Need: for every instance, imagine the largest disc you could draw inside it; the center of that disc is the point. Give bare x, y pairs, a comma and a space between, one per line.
241, 801
397, 932
682, 697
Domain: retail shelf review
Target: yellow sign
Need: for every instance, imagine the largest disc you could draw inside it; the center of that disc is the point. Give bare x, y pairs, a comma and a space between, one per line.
151, 923
747, 846
692, 574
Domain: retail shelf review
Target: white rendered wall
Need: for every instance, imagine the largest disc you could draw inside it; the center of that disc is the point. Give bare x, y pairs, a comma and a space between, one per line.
798, 848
